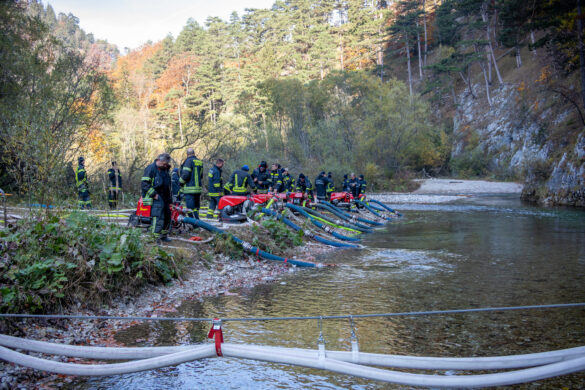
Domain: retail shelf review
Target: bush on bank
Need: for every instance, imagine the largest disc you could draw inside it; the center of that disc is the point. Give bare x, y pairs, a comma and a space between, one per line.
52, 261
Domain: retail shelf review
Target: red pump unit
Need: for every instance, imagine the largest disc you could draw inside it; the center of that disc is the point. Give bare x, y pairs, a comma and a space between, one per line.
345, 197
142, 216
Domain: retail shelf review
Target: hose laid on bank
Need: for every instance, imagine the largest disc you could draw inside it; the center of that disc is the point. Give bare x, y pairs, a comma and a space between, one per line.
385, 206
342, 214
307, 233
347, 218
377, 208
319, 224
371, 210
335, 223
247, 246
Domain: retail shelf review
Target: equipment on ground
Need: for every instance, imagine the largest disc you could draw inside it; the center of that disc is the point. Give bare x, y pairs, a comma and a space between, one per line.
142, 216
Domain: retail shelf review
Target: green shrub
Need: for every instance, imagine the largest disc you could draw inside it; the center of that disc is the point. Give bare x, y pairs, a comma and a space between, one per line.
52, 261
471, 164
281, 234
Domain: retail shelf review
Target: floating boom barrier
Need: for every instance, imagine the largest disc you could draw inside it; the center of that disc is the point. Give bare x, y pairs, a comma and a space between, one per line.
527, 367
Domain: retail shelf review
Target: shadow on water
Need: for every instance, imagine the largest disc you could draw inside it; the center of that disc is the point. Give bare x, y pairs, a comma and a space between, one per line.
478, 252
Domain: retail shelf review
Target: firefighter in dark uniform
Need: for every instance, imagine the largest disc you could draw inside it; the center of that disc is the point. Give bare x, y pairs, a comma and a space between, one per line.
275, 179
288, 182
362, 184
156, 191
354, 185
304, 185
214, 189
191, 177
239, 182
115, 185
261, 178
176, 185
345, 183
321, 183
330, 186
82, 185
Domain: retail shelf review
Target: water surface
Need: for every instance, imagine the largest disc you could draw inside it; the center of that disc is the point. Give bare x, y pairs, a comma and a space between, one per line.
477, 252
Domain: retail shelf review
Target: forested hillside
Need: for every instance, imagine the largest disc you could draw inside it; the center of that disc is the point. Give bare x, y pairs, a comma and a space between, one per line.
386, 88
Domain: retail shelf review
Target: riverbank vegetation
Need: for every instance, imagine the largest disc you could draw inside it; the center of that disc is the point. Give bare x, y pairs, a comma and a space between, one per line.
50, 261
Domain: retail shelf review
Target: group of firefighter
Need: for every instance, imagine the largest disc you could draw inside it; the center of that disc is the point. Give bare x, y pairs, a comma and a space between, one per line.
160, 187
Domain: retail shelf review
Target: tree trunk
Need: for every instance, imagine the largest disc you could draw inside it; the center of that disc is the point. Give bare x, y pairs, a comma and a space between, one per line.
420, 70
468, 83
485, 77
425, 28
490, 48
453, 91
533, 41
380, 55
341, 50
487, 86
518, 57
581, 50
265, 130
407, 47
181, 123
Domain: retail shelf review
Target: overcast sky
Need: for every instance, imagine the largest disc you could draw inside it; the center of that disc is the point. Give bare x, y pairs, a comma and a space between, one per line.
131, 23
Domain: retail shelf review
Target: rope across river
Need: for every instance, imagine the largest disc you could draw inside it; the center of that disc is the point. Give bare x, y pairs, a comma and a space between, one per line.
297, 318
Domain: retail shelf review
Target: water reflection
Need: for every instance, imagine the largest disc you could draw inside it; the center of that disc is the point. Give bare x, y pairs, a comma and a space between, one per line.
474, 253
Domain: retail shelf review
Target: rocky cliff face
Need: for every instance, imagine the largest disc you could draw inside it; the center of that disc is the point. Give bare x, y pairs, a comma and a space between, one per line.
524, 136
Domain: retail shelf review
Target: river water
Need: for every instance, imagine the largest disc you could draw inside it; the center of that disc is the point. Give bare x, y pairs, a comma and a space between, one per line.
477, 252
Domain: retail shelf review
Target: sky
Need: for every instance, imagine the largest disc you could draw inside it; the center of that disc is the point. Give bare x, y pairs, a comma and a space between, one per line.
131, 23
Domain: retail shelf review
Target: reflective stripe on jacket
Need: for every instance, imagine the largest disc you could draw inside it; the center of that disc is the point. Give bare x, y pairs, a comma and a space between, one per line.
191, 175
214, 181
81, 178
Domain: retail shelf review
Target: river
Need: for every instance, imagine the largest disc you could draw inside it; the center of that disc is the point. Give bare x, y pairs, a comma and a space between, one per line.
477, 252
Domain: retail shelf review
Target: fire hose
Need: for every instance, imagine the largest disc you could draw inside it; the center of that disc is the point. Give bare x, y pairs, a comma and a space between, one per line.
247, 246
319, 224
307, 233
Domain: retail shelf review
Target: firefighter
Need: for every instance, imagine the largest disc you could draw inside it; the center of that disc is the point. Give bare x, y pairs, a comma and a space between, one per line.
176, 185
239, 182
261, 178
214, 182
304, 185
321, 183
330, 186
275, 179
288, 182
354, 185
191, 176
82, 185
115, 185
345, 183
362, 184
156, 191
